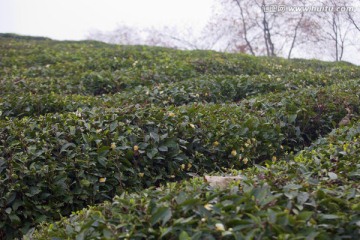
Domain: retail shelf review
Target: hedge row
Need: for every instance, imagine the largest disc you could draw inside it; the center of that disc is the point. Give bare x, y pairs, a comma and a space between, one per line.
29, 104
315, 195
64, 59
43, 66
152, 115
207, 89
60, 161
106, 81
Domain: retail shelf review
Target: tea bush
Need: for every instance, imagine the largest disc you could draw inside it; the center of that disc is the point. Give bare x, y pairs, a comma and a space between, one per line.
315, 195
83, 122
67, 154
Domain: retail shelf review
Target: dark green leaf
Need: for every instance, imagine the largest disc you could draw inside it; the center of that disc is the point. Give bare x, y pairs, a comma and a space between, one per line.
162, 214
184, 236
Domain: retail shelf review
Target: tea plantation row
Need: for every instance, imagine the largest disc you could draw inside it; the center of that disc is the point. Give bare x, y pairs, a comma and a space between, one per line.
314, 195
44, 66
205, 89
82, 122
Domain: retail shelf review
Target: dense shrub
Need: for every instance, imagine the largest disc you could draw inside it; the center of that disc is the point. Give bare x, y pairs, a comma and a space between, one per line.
67, 154
82, 122
313, 196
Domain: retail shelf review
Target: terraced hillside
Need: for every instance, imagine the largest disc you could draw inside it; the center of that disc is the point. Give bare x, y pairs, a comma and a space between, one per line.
124, 129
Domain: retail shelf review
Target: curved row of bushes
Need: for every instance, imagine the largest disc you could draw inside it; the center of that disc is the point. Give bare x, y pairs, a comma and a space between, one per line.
59, 161
207, 89
95, 68
315, 195
64, 59
146, 116
106, 81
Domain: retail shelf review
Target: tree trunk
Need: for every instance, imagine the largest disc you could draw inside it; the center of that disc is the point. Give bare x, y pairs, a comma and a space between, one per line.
248, 44
270, 48
295, 35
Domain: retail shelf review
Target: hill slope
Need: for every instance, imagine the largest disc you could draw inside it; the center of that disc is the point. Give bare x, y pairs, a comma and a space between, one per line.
81, 122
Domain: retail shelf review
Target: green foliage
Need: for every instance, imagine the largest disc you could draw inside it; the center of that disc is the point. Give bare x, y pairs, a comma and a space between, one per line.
309, 197
85, 122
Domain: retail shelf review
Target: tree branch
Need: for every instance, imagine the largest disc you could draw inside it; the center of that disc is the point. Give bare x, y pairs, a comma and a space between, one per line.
353, 21
248, 44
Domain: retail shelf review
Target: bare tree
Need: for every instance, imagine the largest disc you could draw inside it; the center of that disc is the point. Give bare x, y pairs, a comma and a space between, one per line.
182, 38
295, 35
166, 36
267, 23
300, 28
123, 34
351, 18
245, 27
282, 33
297, 23
252, 28
335, 27
171, 37
248, 26
354, 19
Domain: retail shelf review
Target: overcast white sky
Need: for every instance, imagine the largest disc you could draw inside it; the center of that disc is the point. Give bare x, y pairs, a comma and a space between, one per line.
73, 19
